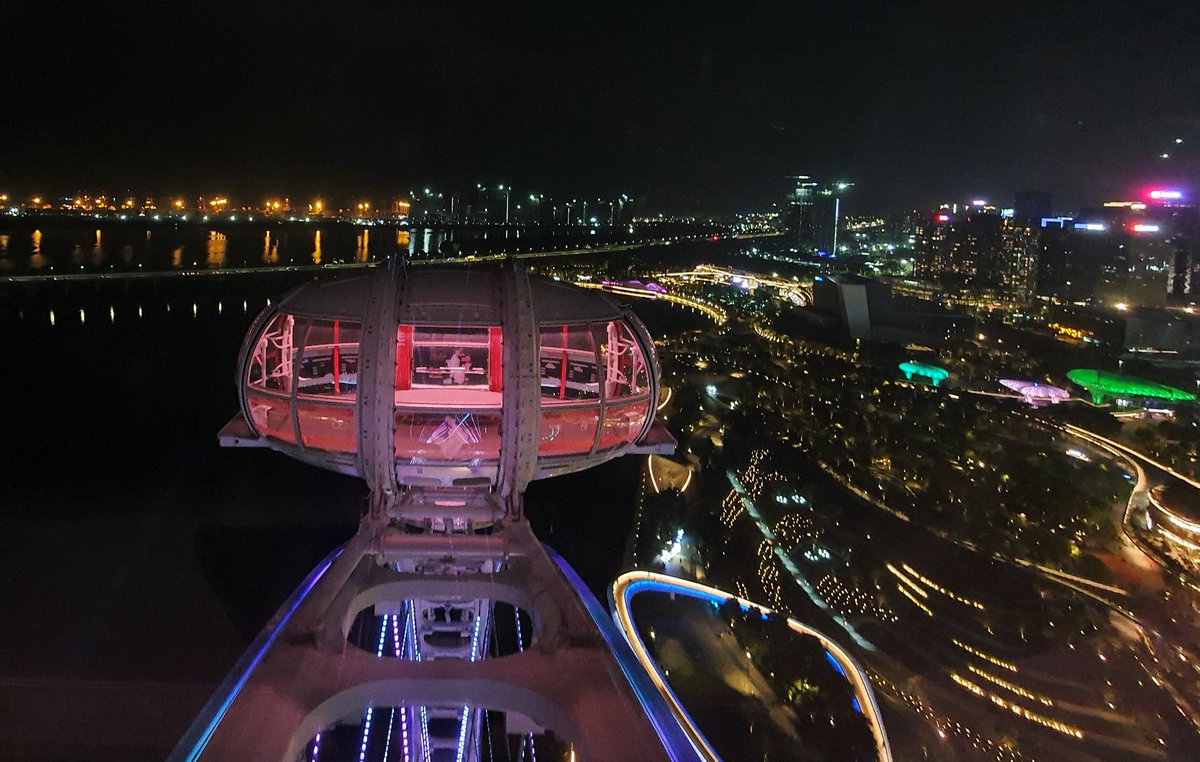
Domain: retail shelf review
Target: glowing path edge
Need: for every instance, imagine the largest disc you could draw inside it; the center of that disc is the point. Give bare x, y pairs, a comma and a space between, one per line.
677, 743
631, 583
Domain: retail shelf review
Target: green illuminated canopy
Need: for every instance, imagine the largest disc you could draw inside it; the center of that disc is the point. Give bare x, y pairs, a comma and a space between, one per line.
1102, 383
932, 372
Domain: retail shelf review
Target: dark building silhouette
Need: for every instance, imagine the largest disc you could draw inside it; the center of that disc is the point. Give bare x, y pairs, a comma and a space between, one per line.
1030, 206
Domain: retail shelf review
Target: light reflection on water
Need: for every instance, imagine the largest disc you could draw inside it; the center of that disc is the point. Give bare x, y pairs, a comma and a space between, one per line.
98, 250
270, 252
215, 249
362, 253
74, 246
126, 311
122, 312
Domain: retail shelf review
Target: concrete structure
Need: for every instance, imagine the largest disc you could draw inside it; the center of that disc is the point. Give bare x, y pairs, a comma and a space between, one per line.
443, 629
849, 299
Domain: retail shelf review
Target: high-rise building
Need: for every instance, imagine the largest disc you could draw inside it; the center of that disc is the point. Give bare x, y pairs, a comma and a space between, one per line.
1132, 253
815, 212
978, 251
798, 219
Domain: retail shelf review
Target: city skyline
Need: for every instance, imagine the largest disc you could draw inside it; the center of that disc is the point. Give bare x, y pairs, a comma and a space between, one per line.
914, 104
397, 202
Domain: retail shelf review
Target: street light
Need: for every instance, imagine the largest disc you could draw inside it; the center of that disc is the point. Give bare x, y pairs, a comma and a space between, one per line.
506, 194
837, 210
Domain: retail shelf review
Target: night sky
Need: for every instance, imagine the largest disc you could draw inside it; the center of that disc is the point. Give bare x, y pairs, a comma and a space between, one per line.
691, 107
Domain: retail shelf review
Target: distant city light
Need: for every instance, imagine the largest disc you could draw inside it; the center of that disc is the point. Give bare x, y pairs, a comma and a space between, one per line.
1055, 221
1146, 227
943, 218
1096, 226
979, 202
1164, 156
1166, 194
1122, 306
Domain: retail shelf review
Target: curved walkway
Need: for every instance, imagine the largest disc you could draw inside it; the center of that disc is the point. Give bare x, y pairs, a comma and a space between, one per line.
631, 583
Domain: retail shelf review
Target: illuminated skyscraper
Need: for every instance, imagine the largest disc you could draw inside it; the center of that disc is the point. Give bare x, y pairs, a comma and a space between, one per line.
815, 213
978, 251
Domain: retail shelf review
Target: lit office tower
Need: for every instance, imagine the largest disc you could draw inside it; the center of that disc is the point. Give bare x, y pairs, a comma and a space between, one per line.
1179, 283
799, 209
815, 212
1181, 221
1125, 252
932, 244
1016, 263
979, 252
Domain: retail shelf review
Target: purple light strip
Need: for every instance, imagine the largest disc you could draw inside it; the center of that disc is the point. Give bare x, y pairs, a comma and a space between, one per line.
383, 635
387, 745
396, 636
521, 647
366, 734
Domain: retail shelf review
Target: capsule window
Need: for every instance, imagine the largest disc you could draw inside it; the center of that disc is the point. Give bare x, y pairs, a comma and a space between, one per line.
450, 357
329, 363
568, 364
625, 370
271, 363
